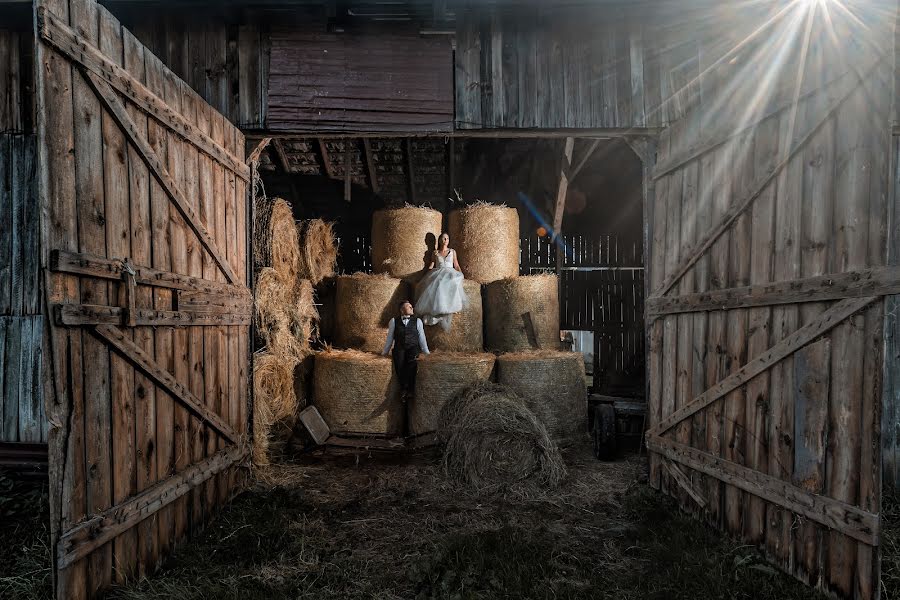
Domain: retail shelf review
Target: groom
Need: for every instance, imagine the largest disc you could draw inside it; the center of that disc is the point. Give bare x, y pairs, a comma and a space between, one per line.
407, 335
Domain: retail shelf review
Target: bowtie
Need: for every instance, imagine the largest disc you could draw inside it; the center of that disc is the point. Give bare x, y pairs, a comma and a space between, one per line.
405, 320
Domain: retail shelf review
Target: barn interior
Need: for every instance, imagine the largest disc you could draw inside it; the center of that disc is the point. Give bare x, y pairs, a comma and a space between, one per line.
112, 485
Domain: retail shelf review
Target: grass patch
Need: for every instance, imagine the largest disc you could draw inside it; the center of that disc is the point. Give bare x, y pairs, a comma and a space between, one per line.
25, 571
363, 528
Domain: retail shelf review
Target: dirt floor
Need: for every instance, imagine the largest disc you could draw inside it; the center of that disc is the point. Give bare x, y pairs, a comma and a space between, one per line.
24, 540
370, 527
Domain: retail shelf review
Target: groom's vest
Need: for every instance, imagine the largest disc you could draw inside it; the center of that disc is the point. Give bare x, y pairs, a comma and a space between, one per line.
407, 336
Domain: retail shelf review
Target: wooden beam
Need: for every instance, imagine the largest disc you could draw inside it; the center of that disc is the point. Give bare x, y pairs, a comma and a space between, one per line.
145, 363
101, 314
685, 482
348, 181
739, 206
257, 151
610, 133
326, 160
563, 188
836, 286
820, 325
410, 172
370, 166
839, 516
111, 102
77, 49
282, 156
583, 161
76, 263
89, 535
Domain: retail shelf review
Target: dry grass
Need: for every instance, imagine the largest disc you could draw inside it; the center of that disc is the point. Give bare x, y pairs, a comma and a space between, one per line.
393, 527
25, 572
492, 442
275, 404
486, 240
403, 239
276, 244
318, 250
522, 313
286, 314
890, 549
441, 377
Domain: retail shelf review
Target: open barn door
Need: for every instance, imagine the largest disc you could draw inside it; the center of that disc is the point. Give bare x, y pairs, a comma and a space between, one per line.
766, 312
144, 248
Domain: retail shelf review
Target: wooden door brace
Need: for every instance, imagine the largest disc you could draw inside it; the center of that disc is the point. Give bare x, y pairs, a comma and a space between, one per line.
142, 361
803, 336
111, 101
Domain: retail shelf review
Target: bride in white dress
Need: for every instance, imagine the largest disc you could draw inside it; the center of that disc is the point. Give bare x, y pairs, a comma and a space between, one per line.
441, 293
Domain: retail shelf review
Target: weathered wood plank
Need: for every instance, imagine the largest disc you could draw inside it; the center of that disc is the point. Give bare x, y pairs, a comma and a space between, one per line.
99, 529
876, 281
113, 268
98, 314
563, 187
841, 517
158, 170
86, 54
787, 346
7, 200
12, 381
141, 360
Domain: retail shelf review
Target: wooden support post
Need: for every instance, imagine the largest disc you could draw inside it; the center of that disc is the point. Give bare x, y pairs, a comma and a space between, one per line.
410, 171
326, 160
282, 156
257, 151
370, 166
348, 159
583, 161
563, 188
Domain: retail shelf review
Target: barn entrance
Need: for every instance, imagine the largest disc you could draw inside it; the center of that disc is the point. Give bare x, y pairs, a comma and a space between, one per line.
589, 189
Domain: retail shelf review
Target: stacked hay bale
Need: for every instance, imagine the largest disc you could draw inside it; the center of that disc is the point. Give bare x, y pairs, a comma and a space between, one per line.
522, 313
403, 240
553, 385
364, 306
442, 377
318, 250
466, 333
286, 318
357, 394
486, 239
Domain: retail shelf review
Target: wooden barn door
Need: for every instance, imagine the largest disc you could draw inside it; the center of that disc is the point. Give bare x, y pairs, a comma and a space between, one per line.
766, 313
145, 253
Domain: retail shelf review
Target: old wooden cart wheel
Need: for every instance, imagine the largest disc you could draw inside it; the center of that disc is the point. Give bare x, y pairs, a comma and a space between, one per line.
605, 432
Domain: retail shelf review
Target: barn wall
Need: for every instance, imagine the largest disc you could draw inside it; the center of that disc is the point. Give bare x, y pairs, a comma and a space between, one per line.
16, 69
21, 325
805, 155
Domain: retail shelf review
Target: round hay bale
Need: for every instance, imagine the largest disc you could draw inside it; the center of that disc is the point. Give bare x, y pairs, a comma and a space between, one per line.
486, 240
466, 333
441, 377
552, 385
285, 315
275, 406
492, 441
364, 307
276, 244
357, 394
318, 250
403, 239
522, 313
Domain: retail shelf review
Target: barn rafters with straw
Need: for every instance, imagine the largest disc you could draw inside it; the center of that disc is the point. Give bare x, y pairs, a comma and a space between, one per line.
676, 224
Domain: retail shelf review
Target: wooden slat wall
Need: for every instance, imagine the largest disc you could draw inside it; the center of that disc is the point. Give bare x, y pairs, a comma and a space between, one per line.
222, 55
16, 77
572, 67
21, 397
813, 419
359, 81
116, 435
890, 432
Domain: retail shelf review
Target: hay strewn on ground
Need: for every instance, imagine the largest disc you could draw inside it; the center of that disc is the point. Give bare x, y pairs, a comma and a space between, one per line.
276, 244
275, 404
522, 313
486, 240
372, 526
890, 549
493, 442
403, 239
357, 394
466, 332
441, 377
318, 250
552, 385
25, 559
364, 307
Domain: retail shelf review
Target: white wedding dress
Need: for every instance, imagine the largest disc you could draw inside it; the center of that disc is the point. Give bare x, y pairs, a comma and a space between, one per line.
441, 293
